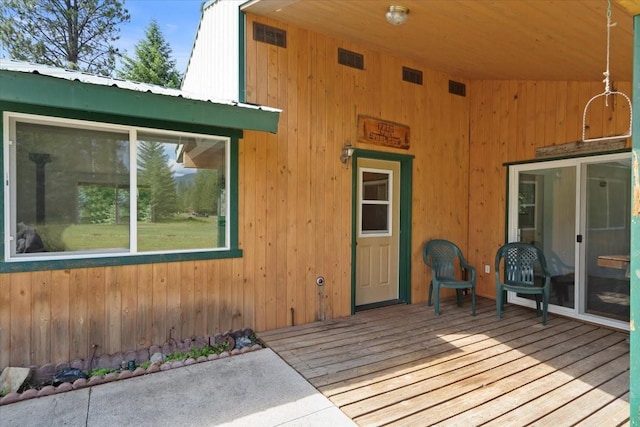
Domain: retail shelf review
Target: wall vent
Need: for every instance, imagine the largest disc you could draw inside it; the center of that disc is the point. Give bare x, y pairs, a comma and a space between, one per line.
412, 76
350, 59
271, 35
457, 88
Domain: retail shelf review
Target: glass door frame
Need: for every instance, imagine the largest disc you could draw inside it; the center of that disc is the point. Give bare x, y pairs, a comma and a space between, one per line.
579, 164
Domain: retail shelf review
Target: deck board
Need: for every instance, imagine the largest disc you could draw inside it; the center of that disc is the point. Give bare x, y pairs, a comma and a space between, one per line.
402, 365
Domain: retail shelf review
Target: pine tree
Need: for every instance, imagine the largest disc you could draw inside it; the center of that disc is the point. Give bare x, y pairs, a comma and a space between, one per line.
73, 34
152, 63
158, 199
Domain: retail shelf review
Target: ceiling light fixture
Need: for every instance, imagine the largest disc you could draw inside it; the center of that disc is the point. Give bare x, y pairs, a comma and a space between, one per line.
397, 15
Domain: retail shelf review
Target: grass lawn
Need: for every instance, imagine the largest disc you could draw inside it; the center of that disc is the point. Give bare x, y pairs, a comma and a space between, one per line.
182, 233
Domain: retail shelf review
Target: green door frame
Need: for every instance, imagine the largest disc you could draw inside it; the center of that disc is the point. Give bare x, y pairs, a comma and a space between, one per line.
406, 194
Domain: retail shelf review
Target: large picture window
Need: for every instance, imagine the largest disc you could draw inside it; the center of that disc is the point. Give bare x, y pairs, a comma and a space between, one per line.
81, 188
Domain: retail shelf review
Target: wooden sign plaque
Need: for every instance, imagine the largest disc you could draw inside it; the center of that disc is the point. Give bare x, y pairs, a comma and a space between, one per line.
380, 132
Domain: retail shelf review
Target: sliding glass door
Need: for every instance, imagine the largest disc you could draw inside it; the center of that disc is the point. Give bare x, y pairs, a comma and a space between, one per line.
578, 212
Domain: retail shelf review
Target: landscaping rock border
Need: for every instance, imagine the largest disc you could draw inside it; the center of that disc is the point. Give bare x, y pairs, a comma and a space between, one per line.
42, 376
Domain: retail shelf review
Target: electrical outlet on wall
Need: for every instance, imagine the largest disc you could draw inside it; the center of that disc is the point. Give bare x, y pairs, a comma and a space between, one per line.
487, 268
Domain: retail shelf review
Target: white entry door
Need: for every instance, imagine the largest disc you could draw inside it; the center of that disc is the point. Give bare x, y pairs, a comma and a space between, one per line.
378, 226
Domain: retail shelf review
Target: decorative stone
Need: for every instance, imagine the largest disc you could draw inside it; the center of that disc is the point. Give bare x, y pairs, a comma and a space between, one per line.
61, 366
46, 390
104, 362
64, 387
157, 357
142, 355
117, 359
78, 364
125, 374
32, 392
46, 372
95, 381
13, 378
10, 398
79, 383
111, 376
138, 371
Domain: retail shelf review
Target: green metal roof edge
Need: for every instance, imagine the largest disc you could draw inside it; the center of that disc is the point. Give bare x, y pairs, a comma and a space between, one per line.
54, 92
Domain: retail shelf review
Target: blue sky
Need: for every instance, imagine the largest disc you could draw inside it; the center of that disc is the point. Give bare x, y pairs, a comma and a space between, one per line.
177, 19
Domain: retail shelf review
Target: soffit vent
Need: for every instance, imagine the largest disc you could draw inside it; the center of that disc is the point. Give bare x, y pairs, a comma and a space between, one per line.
271, 35
350, 59
412, 76
457, 88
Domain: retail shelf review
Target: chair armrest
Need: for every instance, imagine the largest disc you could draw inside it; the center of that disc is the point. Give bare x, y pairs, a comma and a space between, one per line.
470, 268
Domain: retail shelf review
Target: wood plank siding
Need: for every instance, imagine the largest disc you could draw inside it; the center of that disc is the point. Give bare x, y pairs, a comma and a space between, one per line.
295, 202
402, 365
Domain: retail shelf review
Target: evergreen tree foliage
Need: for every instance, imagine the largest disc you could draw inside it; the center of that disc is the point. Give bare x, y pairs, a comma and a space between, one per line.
103, 204
157, 191
72, 34
152, 63
205, 196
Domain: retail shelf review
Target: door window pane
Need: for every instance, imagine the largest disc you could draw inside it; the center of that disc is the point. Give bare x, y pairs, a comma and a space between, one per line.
375, 203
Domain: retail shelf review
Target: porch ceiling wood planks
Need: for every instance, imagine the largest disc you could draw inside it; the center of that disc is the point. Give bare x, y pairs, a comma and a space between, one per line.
402, 365
495, 40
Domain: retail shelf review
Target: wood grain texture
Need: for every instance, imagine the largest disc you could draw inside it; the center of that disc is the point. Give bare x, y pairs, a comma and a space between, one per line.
295, 201
404, 366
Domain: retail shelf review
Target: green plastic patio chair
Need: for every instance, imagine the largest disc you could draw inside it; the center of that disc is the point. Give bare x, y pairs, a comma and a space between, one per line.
449, 269
524, 271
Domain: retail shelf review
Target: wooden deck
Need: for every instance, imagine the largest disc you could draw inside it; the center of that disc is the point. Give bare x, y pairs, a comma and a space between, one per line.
402, 365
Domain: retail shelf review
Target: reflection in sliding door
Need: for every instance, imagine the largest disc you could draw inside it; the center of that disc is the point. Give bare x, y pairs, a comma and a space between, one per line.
546, 218
578, 211
607, 239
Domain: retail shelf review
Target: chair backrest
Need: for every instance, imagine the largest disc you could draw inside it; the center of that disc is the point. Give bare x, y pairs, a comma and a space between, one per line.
443, 257
521, 262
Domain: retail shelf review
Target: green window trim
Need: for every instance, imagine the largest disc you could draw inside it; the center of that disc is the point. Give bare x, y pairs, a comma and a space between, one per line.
52, 264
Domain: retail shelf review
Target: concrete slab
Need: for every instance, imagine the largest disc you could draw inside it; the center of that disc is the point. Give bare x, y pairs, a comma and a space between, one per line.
256, 388
62, 409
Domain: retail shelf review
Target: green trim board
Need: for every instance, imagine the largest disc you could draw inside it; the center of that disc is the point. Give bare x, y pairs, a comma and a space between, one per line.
24, 266
60, 93
406, 200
